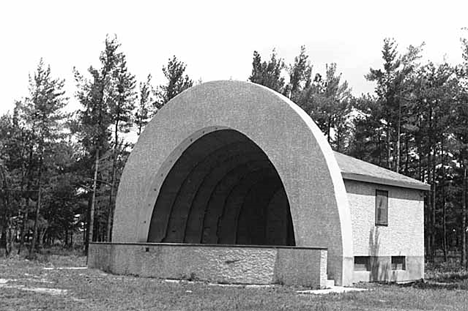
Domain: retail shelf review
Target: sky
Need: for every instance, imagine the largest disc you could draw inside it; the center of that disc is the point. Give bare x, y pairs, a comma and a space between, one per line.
216, 39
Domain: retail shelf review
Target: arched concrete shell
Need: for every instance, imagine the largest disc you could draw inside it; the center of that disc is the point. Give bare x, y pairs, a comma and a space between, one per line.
291, 140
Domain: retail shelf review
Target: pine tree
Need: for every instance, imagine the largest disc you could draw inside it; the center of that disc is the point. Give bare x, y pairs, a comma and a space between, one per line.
328, 102
461, 132
144, 109
121, 110
97, 96
108, 101
432, 124
326, 99
394, 88
268, 73
5, 210
177, 82
43, 115
300, 76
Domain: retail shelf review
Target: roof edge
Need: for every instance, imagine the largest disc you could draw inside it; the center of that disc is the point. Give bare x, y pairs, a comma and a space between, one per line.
382, 181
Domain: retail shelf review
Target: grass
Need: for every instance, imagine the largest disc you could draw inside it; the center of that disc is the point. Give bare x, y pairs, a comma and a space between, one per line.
83, 289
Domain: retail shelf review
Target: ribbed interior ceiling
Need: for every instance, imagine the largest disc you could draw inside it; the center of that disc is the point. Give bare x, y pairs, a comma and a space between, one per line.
223, 189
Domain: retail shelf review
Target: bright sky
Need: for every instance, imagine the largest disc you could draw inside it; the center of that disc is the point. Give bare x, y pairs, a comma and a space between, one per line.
216, 39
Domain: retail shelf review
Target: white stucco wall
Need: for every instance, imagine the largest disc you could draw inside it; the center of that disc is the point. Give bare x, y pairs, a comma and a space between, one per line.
404, 235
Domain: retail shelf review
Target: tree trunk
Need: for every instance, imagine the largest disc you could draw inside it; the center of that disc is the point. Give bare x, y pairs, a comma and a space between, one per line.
463, 226
5, 238
110, 216
9, 240
444, 224
407, 155
444, 202
397, 160
433, 221
434, 206
93, 203
428, 213
32, 250
28, 191
389, 149
41, 235
23, 226
86, 229
420, 164
431, 170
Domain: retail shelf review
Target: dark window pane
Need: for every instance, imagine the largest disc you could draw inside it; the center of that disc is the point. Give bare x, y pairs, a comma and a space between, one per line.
361, 263
381, 208
398, 263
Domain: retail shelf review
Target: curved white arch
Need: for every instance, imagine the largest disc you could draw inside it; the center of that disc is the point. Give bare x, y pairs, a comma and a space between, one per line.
291, 140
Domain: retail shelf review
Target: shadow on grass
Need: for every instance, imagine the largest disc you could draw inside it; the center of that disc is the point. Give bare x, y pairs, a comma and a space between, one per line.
447, 280
53, 256
448, 275
437, 285
452, 277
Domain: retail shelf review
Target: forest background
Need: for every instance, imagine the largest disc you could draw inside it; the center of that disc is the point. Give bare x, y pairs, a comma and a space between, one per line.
60, 169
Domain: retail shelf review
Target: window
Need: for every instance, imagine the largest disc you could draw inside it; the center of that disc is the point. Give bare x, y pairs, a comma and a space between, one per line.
398, 263
381, 208
361, 263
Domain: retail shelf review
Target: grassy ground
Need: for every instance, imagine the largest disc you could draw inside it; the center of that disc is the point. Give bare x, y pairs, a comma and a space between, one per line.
39, 285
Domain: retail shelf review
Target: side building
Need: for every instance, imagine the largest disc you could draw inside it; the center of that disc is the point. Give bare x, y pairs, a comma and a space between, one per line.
387, 214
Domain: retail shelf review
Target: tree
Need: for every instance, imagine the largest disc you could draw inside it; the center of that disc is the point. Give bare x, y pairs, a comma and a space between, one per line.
177, 82
20, 155
268, 73
393, 90
300, 76
432, 111
326, 99
108, 101
120, 109
20, 162
29, 140
5, 210
43, 113
461, 131
328, 102
96, 96
144, 108
62, 200
367, 138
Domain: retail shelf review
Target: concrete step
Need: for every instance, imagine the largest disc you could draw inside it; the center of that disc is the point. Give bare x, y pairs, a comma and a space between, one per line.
330, 284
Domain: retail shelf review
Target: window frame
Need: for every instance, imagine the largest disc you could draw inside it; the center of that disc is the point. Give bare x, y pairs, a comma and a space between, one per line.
362, 263
381, 214
398, 261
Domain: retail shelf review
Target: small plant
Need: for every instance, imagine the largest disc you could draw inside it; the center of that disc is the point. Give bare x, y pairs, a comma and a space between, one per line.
191, 277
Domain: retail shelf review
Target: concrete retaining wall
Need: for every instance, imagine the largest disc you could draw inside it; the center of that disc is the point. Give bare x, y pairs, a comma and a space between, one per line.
298, 266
